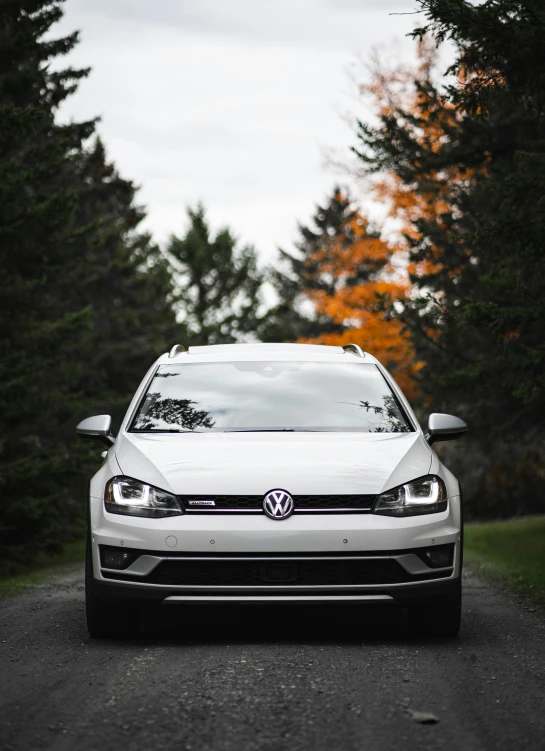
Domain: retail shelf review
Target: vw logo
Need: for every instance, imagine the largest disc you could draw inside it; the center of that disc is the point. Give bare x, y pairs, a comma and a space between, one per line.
278, 504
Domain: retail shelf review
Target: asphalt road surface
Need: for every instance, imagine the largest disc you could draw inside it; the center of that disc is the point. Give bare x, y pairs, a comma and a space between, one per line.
270, 679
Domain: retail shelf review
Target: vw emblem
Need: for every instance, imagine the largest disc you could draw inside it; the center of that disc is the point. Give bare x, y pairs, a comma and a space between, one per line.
278, 504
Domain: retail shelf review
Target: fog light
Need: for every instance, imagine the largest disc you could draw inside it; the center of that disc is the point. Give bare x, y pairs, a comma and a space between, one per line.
116, 557
441, 556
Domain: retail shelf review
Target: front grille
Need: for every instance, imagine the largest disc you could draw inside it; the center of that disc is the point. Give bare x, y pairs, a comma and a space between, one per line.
282, 572
199, 504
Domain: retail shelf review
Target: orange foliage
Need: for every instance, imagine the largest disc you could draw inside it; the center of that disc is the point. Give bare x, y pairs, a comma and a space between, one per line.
393, 92
356, 305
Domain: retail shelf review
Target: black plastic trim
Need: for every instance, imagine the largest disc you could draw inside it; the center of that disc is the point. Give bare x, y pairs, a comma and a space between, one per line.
109, 591
449, 545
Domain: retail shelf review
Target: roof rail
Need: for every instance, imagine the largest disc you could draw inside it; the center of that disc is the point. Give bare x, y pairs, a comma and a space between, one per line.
176, 350
354, 349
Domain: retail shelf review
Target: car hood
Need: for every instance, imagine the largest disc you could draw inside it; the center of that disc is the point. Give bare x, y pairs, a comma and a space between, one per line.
254, 463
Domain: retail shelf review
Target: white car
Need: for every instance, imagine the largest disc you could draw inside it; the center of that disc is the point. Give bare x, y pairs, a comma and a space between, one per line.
278, 473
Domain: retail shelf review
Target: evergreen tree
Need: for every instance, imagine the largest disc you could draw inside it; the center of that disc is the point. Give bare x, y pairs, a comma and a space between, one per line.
428, 197
84, 301
37, 204
481, 308
219, 283
294, 317
125, 281
501, 59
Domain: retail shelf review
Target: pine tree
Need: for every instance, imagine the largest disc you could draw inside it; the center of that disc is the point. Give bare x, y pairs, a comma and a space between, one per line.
294, 317
218, 285
37, 205
427, 196
126, 283
481, 302
501, 62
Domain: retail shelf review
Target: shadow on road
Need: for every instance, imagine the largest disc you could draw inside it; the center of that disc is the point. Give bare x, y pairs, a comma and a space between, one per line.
273, 624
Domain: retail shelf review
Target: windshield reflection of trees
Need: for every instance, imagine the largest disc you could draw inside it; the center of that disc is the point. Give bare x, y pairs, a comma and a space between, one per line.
176, 413
391, 419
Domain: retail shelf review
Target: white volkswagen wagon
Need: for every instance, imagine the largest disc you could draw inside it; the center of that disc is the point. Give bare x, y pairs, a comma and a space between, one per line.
278, 473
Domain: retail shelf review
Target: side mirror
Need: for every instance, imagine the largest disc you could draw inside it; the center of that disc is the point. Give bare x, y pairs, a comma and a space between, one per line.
444, 428
97, 428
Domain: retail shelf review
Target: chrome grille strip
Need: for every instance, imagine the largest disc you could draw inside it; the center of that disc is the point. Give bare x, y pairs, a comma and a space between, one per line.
244, 504
203, 510
288, 588
276, 598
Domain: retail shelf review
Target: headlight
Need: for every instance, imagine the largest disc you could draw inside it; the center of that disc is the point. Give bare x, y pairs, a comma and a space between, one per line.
427, 495
127, 496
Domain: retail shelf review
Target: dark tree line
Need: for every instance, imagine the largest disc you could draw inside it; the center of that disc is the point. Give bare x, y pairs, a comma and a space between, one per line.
85, 295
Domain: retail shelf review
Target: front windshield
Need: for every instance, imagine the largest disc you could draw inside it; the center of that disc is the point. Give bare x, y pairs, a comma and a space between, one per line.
270, 396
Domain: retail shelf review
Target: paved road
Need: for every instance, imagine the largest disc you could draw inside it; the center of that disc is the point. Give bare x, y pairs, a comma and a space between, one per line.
269, 679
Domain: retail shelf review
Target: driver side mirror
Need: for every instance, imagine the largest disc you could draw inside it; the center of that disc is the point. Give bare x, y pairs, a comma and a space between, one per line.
444, 428
97, 428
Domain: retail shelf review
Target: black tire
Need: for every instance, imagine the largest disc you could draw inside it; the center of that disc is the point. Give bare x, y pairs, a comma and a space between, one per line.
440, 616
107, 620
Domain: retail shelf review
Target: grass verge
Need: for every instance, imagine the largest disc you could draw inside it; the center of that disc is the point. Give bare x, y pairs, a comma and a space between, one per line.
44, 568
512, 552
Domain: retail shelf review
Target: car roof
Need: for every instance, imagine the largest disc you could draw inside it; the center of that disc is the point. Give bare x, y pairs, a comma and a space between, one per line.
261, 351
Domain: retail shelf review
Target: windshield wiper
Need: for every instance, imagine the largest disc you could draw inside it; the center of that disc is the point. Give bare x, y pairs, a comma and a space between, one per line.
269, 430
169, 430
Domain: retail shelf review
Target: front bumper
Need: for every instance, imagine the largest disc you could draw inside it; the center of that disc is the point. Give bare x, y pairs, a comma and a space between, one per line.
377, 577
402, 595
225, 537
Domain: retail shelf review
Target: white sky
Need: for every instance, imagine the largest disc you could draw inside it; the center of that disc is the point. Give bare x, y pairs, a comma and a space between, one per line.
229, 102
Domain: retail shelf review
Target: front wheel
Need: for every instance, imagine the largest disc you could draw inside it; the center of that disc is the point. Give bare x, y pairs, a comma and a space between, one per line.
440, 616
106, 620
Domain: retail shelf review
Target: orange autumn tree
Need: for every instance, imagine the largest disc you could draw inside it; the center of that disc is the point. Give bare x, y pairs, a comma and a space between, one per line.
346, 283
421, 194
347, 274
357, 283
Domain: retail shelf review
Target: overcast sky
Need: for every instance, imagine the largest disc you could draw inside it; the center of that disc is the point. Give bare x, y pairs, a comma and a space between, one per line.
229, 102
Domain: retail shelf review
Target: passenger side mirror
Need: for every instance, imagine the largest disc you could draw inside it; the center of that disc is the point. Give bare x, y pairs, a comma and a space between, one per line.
97, 428
444, 428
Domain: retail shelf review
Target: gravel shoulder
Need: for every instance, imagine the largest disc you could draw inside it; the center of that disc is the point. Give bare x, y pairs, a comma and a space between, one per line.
270, 679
